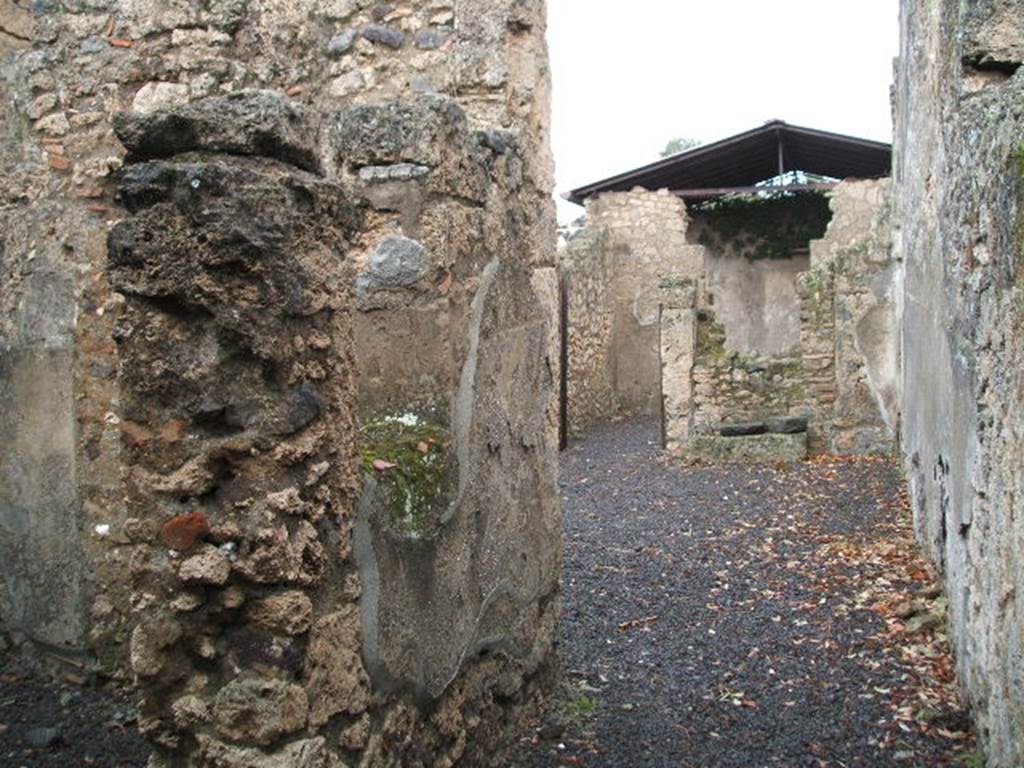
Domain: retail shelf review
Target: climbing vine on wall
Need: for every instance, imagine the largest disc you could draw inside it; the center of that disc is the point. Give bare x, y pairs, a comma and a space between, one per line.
763, 227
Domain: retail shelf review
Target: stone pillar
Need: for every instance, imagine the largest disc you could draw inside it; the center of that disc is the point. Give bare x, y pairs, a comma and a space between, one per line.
818, 352
678, 347
204, 207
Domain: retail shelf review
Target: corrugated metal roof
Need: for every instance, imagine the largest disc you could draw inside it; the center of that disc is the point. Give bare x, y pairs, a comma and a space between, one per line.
752, 157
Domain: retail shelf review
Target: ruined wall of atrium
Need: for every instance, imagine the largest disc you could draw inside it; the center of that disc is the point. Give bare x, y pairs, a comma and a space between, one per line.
218, 219
750, 341
959, 182
850, 325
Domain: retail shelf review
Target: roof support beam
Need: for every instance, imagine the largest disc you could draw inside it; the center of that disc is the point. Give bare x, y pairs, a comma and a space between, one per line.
782, 157
697, 194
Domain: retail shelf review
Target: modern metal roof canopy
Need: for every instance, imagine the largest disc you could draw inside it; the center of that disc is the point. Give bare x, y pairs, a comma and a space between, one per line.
735, 165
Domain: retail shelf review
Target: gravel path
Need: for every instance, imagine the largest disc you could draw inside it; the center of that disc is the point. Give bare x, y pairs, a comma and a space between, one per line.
65, 725
737, 616
715, 617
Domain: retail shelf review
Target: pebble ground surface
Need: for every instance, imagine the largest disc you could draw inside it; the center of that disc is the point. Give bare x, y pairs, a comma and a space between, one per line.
734, 616
720, 617
66, 725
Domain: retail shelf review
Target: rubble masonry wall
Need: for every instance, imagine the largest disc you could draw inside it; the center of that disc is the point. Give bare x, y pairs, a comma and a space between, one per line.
197, 199
958, 189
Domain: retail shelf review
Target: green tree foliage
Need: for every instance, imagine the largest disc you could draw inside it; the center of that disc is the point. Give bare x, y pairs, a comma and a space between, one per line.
675, 146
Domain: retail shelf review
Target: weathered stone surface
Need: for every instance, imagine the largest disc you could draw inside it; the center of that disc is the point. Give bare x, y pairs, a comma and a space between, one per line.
678, 348
749, 448
742, 429
160, 254
337, 681
771, 339
280, 557
159, 95
290, 613
148, 644
308, 753
376, 174
342, 43
849, 324
396, 262
415, 131
787, 425
190, 712
258, 711
259, 123
209, 566
205, 359
383, 35
431, 39
614, 273
994, 39
959, 133
39, 537
15, 26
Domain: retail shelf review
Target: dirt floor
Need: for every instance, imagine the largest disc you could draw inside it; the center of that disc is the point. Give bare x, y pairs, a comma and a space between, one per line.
67, 725
713, 616
729, 616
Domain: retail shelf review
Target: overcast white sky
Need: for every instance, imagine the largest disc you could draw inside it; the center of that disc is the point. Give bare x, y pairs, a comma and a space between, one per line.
629, 75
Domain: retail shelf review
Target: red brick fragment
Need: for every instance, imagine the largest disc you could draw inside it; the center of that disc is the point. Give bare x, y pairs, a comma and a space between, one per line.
182, 532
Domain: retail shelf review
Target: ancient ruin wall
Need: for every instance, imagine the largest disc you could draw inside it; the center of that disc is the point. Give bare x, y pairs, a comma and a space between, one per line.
177, 331
634, 240
959, 187
756, 250
730, 388
748, 366
849, 324
585, 273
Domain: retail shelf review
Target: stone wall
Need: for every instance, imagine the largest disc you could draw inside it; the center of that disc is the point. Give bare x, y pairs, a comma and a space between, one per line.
959, 187
755, 252
730, 388
222, 225
585, 271
757, 303
849, 325
742, 262
614, 271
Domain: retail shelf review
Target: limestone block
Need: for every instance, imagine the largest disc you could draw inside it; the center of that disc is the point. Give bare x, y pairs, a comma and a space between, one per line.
259, 711
209, 566
751, 449
416, 131
307, 753
396, 262
678, 347
148, 643
337, 681
158, 95
290, 613
251, 122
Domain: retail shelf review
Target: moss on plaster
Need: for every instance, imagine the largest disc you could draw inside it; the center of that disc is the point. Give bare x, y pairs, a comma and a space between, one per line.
411, 459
